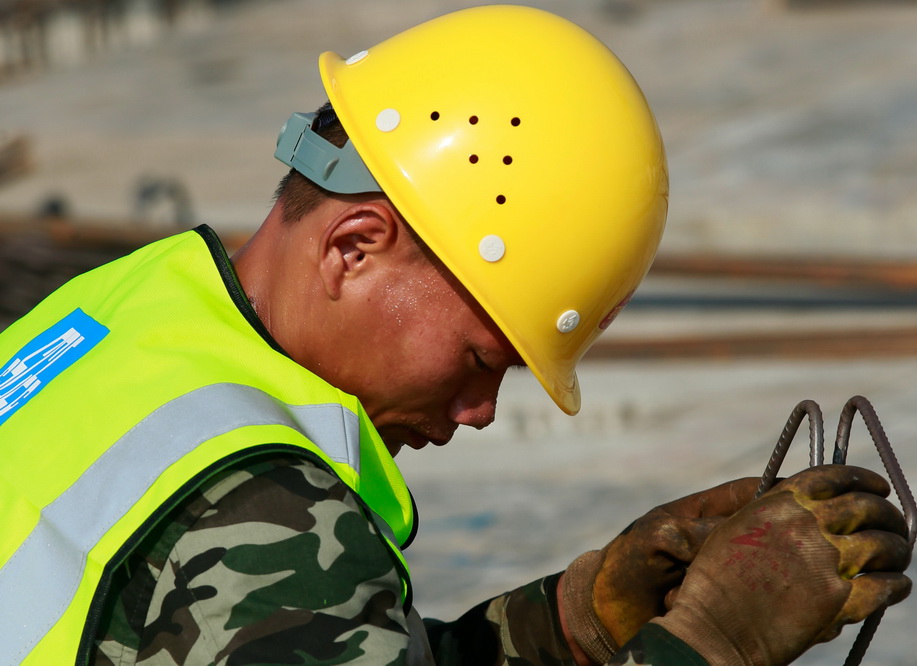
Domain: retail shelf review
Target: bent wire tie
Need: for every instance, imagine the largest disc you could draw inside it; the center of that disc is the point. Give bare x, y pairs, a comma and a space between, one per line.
817, 456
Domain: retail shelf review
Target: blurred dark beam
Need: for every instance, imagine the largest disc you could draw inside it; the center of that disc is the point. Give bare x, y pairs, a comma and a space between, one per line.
822, 344
827, 272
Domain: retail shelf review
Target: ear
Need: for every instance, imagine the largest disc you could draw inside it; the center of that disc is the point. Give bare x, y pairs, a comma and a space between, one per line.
353, 241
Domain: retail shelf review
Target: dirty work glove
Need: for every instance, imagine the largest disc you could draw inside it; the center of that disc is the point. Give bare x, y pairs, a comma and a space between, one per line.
782, 573
609, 594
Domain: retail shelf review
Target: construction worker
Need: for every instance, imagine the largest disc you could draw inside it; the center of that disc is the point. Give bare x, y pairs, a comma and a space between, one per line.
197, 452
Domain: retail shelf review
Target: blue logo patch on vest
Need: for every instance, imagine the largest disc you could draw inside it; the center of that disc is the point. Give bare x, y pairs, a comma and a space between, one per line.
45, 357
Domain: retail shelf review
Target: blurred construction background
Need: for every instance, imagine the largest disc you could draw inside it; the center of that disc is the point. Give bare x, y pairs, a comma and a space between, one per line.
788, 270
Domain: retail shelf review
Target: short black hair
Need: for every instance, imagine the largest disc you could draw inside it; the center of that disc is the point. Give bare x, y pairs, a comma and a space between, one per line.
299, 195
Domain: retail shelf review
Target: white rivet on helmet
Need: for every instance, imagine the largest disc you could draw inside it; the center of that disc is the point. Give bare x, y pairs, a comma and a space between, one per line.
387, 120
568, 321
492, 248
356, 57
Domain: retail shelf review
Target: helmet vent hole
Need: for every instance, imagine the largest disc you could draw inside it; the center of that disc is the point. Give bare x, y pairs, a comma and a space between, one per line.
434, 115
501, 199
508, 159
515, 122
473, 120
473, 159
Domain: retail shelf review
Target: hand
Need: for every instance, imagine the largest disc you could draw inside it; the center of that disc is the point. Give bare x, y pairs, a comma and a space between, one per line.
609, 594
820, 550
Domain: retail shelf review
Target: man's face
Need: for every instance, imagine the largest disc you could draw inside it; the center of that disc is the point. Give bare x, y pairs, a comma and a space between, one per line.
431, 358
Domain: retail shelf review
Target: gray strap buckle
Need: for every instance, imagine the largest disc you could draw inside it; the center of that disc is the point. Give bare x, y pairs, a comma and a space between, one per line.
335, 169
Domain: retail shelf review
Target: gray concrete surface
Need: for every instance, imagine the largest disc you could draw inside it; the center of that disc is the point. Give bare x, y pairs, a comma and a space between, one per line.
789, 132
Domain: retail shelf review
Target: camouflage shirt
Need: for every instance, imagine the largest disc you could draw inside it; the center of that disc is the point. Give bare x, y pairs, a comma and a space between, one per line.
276, 563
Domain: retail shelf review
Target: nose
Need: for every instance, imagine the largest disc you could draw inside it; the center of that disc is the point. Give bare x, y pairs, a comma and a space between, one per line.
476, 404
477, 415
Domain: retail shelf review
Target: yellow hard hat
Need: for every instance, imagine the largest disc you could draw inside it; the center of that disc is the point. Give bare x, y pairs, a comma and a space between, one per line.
524, 154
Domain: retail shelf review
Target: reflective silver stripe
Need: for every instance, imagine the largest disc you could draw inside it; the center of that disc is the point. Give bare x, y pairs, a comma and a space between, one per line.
38, 582
383, 526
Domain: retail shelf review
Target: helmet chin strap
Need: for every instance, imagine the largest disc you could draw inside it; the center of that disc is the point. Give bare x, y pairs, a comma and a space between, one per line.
335, 169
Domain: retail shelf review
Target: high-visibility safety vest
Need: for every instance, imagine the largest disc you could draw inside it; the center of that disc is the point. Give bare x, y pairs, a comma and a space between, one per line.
124, 390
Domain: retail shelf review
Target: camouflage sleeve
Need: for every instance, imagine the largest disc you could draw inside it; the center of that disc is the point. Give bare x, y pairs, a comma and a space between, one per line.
272, 564
522, 628
654, 646
519, 628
